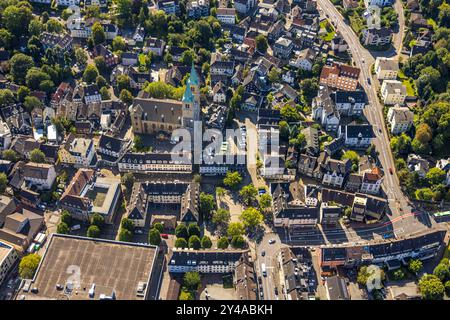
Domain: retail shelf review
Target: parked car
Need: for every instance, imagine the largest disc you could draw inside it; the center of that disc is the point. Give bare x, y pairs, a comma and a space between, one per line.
138, 231
263, 253
271, 241
164, 236
391, 171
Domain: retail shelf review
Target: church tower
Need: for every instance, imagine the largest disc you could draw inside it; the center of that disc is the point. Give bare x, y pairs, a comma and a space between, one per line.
191, 100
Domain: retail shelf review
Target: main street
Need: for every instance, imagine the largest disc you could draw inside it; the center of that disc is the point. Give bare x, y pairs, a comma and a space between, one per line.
363, 59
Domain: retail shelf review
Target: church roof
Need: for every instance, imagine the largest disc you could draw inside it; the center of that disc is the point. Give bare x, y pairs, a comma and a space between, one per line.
193, 78
188, 96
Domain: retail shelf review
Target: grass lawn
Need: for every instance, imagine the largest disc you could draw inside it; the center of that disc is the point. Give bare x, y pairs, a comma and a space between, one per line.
330, 30
408, 83
227, 281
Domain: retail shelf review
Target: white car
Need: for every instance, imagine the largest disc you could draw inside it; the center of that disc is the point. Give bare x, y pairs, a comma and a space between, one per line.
271, 241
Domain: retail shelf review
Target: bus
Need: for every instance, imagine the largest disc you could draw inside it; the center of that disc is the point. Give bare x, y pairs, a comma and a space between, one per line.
263, 269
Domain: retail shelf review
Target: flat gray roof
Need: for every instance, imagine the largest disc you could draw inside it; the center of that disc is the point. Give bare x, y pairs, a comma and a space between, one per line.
111, 265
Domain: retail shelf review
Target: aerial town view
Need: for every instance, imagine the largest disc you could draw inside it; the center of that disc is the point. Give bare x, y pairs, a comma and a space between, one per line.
238, 150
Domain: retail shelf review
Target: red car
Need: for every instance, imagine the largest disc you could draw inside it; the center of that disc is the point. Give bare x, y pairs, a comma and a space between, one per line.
391, 171
164, 236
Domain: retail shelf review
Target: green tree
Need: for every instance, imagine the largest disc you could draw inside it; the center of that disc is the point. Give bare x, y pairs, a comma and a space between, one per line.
10, 155
127, 224
207, 204
401, 144
415, 266
6, 97
22, 93
206, 242
20, 64
128, 181
235, 229
3, 182
97, 220
221, 217
81, 56
154, 237
181, 231
126, 96
274, 75
125, 235
181, 243
193, 230
37, 156
16, 18
192, 280
98, 33
290, 114
66, 217
248, 194
442, 270
123, 82
185, 295
238, 242
159, 226
352, 156
32, 102
251, 218
62, 228
435, 176
398, 275
424, 133
431, 287
93, 231
194, 242
118, 44
104, 92
100, 64
5, 39
28, 265
261, 43
222, 243
187, 57
232, 179
265, 201
90, 74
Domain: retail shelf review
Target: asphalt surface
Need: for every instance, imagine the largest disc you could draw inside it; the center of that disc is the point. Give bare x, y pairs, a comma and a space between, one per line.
399, 204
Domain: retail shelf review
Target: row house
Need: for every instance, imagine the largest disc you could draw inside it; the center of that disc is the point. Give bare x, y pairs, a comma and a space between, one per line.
197, 8
349, 103
155, 163
244, 6
52, 40
205, 261
335, 172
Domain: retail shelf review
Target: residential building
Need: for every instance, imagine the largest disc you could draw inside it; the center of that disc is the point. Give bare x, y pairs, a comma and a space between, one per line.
378, 3
197, 8
377, 37
78, 152
335, 172
386, 69
110, 149
174, 198
20, 228
244, 6
168, 6
5, 136
340, 76
324, 110
88, 194
149, 162
39, 175
154, 45
8, 257
337, 288
357, 136
226, 15
400, 119
371, 182
393, 92
219, 93
205, 261
349, 103
63, 42
304, 59
283, 47
329, 214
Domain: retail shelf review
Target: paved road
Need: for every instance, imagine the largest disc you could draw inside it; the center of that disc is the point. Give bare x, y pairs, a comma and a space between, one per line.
398, 37
363, 59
